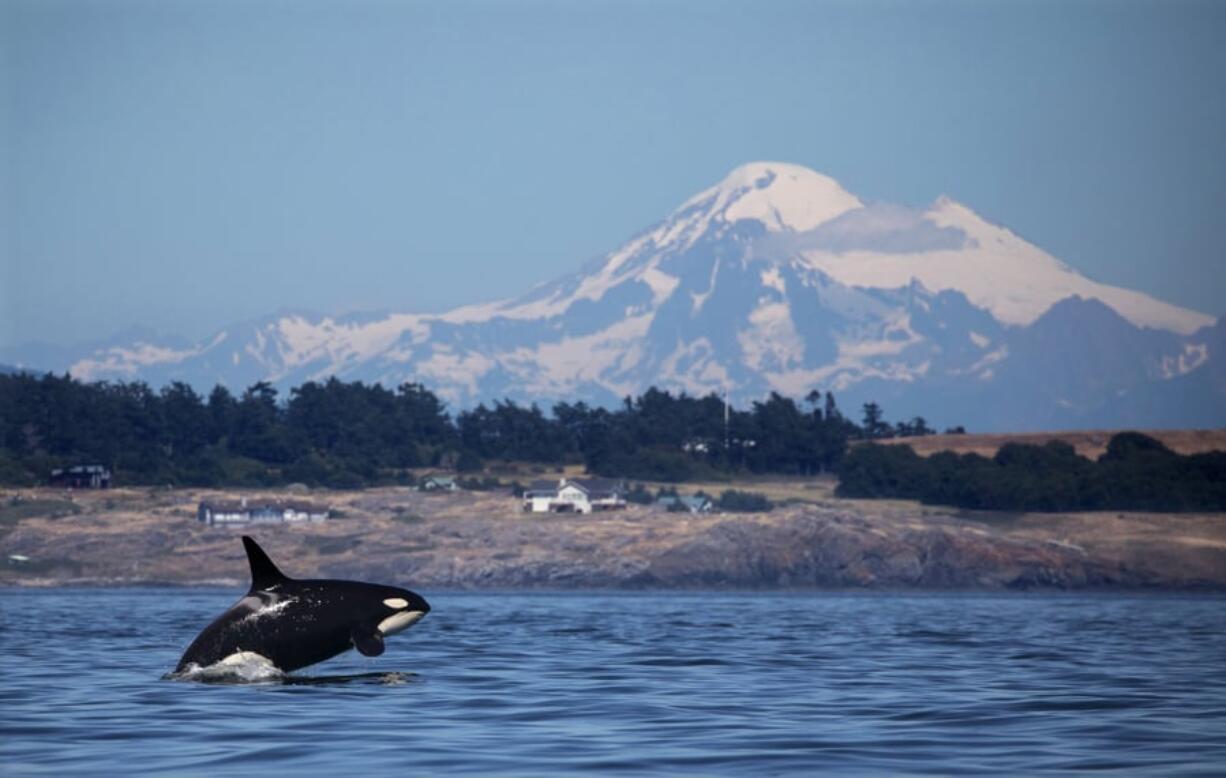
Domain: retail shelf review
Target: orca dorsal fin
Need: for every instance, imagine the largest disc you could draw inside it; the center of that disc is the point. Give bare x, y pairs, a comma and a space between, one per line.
263, 572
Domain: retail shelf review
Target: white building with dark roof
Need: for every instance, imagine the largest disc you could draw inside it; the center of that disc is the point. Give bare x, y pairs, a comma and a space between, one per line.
574, 495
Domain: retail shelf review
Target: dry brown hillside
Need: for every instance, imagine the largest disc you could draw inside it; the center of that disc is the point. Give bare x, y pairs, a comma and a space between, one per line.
465, 540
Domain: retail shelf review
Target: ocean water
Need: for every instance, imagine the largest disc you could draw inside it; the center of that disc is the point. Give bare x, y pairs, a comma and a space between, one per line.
634, 683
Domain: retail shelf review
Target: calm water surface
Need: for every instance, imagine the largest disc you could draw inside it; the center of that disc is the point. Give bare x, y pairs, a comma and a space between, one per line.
747, 684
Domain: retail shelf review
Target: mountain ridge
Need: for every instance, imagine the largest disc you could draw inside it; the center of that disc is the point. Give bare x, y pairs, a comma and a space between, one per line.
774, 279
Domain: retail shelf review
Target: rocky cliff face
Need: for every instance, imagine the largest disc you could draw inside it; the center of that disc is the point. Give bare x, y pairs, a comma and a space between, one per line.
469, 541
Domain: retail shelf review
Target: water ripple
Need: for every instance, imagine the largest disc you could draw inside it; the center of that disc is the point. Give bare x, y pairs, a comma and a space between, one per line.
635, 683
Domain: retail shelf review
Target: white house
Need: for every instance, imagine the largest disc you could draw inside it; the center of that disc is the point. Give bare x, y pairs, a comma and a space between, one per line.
573, 495
541, 497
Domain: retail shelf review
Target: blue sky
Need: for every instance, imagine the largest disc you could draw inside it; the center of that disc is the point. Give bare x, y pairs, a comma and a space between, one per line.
183, 165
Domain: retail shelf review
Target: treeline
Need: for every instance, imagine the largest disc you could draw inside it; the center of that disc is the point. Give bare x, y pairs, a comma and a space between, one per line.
349, 434
1136, 472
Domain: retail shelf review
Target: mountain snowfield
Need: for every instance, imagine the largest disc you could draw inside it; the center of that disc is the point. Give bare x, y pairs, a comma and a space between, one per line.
775, 279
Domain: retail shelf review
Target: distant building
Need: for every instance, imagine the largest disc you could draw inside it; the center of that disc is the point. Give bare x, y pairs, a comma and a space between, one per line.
541, 497
574, 495
82, 477
438, 483
694, 503
213, 512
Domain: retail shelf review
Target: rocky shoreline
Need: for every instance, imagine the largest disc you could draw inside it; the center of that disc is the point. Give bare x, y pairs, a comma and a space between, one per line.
482, 541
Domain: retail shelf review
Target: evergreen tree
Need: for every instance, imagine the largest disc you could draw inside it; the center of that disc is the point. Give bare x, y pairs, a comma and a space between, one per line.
875, 426
814, 398
832, 410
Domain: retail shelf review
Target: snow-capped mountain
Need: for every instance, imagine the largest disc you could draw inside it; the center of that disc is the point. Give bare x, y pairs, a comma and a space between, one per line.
774, 279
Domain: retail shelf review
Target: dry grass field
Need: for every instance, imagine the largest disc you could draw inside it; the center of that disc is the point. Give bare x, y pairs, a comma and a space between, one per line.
483, 540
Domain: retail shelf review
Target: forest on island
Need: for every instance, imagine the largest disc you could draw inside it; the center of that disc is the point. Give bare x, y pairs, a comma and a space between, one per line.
349, 434
1136, 473
341, 434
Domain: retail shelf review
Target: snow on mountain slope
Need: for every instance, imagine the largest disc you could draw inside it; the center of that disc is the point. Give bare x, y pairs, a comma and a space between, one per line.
780, 196
128, 361
279, 348
879, 246
774, 279
998, 271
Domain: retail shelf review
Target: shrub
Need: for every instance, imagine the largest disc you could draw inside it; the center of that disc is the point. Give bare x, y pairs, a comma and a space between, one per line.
486, 484
639, 495
405, 516
733, 501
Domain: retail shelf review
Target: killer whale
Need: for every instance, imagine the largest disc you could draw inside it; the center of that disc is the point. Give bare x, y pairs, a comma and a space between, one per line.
295, 623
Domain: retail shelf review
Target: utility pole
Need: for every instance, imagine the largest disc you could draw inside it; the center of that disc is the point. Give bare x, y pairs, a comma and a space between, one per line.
727, 437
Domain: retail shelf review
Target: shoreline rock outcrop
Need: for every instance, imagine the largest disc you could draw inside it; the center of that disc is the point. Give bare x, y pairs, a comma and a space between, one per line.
481, 541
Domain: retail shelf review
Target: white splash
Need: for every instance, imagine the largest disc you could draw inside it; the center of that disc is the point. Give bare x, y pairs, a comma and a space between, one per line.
239, 667
271, 609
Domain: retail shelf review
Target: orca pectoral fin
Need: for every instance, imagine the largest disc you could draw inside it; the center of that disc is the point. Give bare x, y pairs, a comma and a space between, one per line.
367, 642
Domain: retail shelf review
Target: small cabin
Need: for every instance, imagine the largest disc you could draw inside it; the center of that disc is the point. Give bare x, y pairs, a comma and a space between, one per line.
82, 477
694, 503
438, 483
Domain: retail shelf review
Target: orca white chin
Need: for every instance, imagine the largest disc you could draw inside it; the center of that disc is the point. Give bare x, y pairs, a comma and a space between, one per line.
399, 622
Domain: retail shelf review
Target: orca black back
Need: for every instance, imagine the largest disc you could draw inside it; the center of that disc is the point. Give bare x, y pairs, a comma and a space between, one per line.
295, 623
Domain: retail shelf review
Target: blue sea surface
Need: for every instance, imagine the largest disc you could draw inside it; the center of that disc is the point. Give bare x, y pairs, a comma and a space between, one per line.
634, 683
